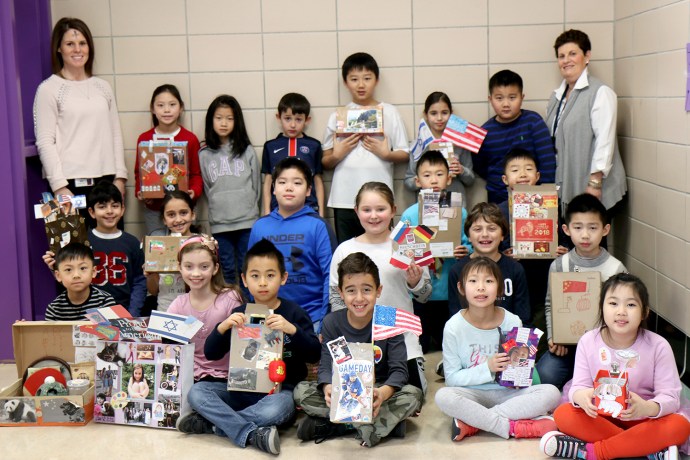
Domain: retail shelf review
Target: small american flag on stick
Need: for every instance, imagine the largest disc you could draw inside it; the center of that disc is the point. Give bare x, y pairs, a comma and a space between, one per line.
389, 322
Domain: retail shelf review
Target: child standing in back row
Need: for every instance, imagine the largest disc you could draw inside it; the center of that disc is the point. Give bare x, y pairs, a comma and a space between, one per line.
359, 158
437, 112
293, 115
512, 127
649, 425
166, 110
231, 182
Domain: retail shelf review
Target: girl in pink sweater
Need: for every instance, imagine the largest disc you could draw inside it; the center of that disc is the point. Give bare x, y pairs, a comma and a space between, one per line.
647, 424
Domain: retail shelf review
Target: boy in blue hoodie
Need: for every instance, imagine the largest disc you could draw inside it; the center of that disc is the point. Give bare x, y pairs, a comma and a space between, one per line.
305, 239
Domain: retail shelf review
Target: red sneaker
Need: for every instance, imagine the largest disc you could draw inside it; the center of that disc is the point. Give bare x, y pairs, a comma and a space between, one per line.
535, 428
460, 430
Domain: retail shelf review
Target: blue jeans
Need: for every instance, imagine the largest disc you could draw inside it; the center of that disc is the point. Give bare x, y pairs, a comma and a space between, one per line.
236, 413
232, 246
556, 370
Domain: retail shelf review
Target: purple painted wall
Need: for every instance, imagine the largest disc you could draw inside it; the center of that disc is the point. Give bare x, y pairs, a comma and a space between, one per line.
25, 284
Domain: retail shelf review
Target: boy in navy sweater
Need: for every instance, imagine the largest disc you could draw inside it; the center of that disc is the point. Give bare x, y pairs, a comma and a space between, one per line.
248, 418
512, 127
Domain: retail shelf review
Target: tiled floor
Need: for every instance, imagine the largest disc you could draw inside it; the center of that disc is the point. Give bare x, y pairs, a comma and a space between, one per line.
428, 437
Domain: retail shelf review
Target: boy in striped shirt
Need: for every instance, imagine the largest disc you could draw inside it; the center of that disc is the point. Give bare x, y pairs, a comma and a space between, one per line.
75, 267
512, 127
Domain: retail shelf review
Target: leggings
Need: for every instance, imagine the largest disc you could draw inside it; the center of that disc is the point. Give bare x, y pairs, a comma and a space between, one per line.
615, 438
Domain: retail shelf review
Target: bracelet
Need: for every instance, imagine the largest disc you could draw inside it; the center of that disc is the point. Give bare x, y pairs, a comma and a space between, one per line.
595, 184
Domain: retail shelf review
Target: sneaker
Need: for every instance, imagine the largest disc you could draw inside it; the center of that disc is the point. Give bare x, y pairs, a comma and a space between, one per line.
193, 423
399, 430
670, 453
460, 430
560, 445
316, 428
439, 369
535, 428
266, 439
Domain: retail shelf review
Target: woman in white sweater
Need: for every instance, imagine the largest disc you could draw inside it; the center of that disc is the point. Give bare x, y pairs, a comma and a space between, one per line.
77, 127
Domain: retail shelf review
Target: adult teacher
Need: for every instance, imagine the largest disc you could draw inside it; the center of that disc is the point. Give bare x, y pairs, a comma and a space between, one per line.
581, 116
76, 121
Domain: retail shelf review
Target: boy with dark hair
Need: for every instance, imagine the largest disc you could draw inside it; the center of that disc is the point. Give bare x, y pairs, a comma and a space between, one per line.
433, 173
485, 226
248, 418
303, 237
293, 115
586, 223
359, 158
75, 268
118, 255
510, 128
393, 400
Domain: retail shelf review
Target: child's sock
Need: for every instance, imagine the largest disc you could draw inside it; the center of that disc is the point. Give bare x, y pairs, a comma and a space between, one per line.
591, 455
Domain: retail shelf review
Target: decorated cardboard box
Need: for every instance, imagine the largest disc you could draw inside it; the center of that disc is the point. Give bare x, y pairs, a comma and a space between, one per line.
442, 211
162, 167
610, 392
574, 301
66, 229
160, 253
353, 385
534, 221
439, 232
142, 383
521, 345
360, 120
52, 343
446, 148
252, 349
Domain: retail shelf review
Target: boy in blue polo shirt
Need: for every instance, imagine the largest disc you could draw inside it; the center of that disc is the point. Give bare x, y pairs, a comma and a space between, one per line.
293, 115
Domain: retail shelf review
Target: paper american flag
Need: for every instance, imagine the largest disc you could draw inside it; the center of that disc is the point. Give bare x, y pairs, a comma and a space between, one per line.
464, 134
389, 322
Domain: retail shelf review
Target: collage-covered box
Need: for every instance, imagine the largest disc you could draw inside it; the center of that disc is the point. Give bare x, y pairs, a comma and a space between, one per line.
534, 221
252, 348
574, 301
160, 253
353, 385
442, 211
52, 343
142, 383
359, 120
521, 345
610, 393
162, 167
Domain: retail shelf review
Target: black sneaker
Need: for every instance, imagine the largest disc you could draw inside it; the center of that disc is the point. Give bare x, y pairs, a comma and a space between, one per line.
318, 429
399, 430
439, 369
560, 445
265, 438
193, 423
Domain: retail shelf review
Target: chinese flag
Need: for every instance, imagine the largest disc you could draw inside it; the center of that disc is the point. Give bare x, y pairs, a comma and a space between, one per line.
574, 286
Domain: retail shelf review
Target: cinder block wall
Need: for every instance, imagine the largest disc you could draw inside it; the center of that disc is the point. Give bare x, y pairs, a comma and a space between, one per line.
259, 50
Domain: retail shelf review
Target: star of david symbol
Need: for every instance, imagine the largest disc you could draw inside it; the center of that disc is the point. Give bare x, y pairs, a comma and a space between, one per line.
170, 326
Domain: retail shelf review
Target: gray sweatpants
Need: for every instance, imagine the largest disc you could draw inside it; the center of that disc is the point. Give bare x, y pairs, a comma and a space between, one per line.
491, 410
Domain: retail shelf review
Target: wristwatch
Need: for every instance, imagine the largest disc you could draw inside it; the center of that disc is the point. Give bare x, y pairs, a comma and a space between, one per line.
595, 184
